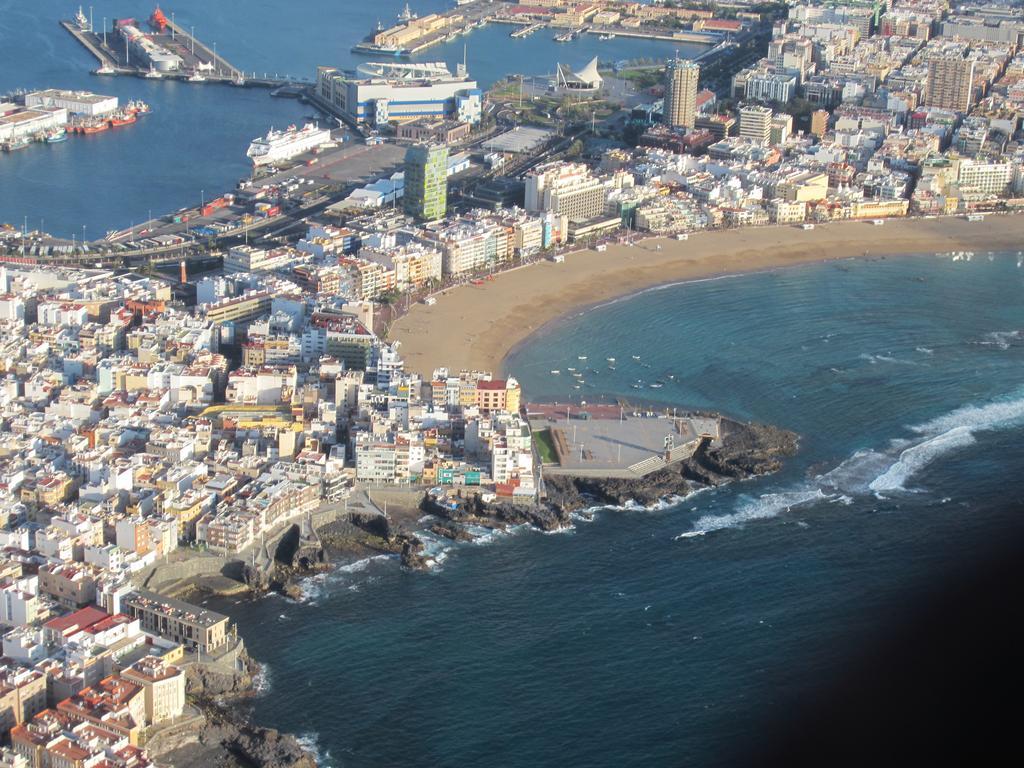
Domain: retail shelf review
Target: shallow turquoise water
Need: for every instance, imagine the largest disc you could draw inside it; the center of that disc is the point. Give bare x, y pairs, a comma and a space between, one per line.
670, 637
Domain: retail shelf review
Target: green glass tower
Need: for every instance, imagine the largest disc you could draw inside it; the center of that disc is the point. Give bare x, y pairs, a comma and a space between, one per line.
426, 182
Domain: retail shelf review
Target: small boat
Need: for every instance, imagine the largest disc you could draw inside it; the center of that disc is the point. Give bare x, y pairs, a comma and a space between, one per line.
610, 359
19, 142
95, 127
575, 386
656, 386
637, 386
195, 77
106, 69
406, 15
153, 74
555, 372
570, 369
581, 357
122, 118
56, 136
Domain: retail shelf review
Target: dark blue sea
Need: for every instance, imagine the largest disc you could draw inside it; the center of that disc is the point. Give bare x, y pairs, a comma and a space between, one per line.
660, 637
667, 637
192, 146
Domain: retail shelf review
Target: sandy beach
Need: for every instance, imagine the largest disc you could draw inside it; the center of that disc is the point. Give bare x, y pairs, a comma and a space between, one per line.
475, 326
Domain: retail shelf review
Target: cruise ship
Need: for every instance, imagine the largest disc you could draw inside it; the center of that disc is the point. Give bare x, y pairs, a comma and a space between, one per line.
281, 145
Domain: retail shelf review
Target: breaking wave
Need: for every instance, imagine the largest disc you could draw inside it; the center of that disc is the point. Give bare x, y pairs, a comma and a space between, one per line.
917, 457
311, 743
261, 681
1002, 339
869, 472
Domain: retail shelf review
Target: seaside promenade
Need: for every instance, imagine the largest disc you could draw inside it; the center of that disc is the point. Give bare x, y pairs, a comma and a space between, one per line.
476, 326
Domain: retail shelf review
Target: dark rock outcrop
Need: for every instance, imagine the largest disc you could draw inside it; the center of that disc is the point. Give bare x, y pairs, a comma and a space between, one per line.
574, 493
412, 553
746, 450
252, 745
259, 575
454, 532
226, 737
204, 681
543, 516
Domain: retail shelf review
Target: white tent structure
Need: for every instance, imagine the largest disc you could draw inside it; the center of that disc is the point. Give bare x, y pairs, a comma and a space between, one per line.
586, 79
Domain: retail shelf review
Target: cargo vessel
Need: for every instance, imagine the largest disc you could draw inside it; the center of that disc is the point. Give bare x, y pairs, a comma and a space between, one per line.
282, 145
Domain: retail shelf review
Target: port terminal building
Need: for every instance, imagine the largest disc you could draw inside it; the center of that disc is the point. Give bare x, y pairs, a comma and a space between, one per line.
156, 56
75, 102
381, 92
17, 122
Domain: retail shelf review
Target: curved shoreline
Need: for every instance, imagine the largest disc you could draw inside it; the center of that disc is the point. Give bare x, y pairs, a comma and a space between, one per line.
477, 327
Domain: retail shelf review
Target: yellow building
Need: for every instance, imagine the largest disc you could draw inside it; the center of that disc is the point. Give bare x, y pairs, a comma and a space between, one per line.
163, 687
498, 395
22, 696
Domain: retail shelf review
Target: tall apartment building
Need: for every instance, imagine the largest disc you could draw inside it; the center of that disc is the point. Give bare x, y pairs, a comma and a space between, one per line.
755, 123
819, 122
681, 93
566, 189
426, 182
781, 128
949, 83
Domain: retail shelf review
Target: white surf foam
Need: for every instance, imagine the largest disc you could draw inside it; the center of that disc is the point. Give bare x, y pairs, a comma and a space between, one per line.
875, 359
311, 743
994, 415
362, 565
1002, 339
870, 472
768, 505
918, 456
261, 681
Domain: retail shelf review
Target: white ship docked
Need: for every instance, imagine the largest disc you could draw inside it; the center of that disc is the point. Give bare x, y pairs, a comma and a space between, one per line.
282, 145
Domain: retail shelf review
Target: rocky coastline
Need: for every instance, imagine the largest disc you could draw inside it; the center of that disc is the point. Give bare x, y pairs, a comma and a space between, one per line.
746, 450
226, 737
221, 734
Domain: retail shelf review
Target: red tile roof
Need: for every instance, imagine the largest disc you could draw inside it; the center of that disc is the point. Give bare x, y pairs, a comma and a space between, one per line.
81, 619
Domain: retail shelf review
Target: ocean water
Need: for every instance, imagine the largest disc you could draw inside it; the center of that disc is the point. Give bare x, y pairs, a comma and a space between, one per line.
672, 636
193, 144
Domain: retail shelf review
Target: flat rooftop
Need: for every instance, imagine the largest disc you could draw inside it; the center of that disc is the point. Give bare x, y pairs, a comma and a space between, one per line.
606, 440
85, 97
177, 609
518, 140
